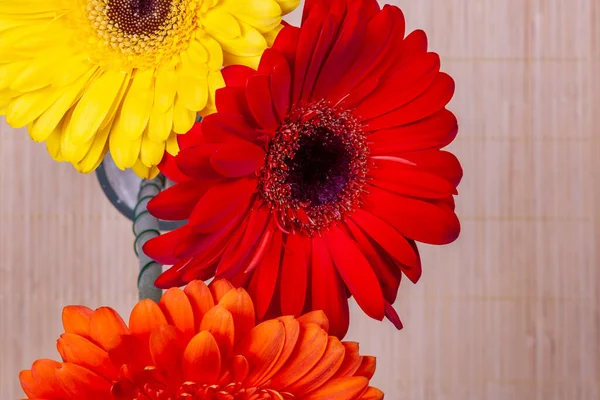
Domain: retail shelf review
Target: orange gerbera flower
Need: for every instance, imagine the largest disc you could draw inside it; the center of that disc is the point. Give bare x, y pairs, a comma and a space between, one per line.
200, 343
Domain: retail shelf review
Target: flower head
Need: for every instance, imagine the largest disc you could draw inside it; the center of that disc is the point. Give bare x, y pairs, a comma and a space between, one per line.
88, 76
320, 171
200, 343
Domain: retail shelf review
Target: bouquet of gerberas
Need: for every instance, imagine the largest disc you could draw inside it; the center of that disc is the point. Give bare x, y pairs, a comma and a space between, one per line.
315, 167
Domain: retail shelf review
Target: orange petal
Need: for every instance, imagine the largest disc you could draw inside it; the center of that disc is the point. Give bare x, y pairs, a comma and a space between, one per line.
219, 322
201, 300
292, 332
309, 349
219, 288
367, 367
166, 347
352, 360
315, 317
340, 389
178, 311
262, 347
202, 359
372, 394
145, 317
79, 350
81, 383
239, 368
133, 350
41, 381
106, 328
76, 319
322, 371
240, 305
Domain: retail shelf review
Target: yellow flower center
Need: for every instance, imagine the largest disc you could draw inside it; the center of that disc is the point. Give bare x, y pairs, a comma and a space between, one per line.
139, 33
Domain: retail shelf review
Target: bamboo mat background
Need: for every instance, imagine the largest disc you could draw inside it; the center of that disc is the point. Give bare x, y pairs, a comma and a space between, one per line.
509, 311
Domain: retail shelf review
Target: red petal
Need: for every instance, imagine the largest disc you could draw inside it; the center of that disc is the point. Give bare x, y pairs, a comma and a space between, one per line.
195, 162
222, 127
221, 204
294, 276
237, 254
307, 41
386, 270
286, 44
238, 159
416, 219
433, 132
193, 137
428, 103
177, 202
232, 100
383, 31
404, 85
392, 315
329, 28
391, 241
161, 248
356, 273
347, 47
168, 167
441, 163
260, 101
265, 277
275, 64
237, 75
328, 292
410, 181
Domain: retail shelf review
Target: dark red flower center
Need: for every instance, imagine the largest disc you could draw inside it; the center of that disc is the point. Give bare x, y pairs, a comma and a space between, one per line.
315, 168
138, 17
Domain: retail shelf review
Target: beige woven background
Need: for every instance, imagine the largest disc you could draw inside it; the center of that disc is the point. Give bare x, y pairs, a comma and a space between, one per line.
509, 311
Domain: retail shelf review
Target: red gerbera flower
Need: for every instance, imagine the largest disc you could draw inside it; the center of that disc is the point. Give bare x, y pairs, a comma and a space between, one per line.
320, 170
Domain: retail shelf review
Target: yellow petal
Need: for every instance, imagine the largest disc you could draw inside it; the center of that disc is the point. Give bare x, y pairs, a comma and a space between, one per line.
183, 118
71, 151
215, 82
48, 121
232, 59
92, 109
192, 90
287, 6
144, 172
222, 24
250, 43
165, 88
151, 152
160, 125
172, 144
53, 145
214, 50
124, 150
137, 105
96, 153
29, 6
263, 15
9, 71
272, 35
27, 107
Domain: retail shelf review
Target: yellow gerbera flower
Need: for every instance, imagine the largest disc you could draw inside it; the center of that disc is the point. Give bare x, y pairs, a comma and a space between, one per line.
88, 76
